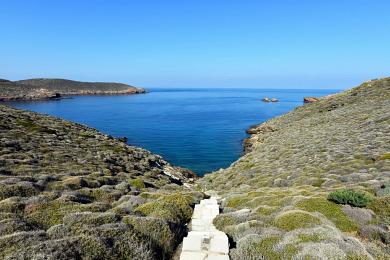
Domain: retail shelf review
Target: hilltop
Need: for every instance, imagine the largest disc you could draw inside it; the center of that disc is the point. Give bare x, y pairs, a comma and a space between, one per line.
71, 87
38, 89
314, 183
68, 191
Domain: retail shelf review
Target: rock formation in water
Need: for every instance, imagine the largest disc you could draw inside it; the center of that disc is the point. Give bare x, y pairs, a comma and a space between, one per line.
315, 182
266, 99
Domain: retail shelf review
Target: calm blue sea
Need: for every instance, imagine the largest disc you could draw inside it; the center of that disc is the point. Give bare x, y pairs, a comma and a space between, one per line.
201, 129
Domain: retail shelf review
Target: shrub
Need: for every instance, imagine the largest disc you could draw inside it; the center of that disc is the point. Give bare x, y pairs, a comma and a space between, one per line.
138, 184
22, 190
257, 247
223, 220
350, 197
174, 208
330, 210
162, 233
381, 207
294, 219
16, 241
75, 220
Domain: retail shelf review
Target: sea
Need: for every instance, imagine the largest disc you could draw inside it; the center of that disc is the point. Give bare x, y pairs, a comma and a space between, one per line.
198, 128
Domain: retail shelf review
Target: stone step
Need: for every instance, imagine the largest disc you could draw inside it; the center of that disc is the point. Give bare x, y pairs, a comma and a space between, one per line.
204, 241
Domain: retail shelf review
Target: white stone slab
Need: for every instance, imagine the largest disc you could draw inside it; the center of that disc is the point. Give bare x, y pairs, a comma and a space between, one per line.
217, 257
219, 244
193, 256
193, 242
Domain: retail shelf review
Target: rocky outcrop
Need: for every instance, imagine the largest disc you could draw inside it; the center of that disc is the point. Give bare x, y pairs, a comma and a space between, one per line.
310, 99
257, 133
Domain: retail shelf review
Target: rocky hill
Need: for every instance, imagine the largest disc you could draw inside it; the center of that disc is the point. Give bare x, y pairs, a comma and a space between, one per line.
40, 89
71, 87
314, 183
70, 192
15, 91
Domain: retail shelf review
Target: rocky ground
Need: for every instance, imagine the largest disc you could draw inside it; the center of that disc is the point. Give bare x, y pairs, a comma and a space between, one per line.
70, 192
41, 89
293, 162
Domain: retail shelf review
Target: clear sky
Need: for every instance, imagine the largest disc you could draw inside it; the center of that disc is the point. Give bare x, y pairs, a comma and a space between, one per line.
198, 43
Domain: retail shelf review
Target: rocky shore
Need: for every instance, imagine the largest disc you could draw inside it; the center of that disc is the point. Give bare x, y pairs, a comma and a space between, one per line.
46, 89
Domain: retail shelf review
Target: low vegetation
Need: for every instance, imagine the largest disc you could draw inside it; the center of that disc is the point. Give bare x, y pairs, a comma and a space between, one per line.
314, 183
350, 197
70, 192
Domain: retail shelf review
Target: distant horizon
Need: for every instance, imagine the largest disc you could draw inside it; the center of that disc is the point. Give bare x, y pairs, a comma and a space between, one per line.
326, 86
153, 44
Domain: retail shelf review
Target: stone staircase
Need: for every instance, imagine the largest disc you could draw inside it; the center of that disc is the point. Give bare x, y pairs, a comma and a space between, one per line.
204, 241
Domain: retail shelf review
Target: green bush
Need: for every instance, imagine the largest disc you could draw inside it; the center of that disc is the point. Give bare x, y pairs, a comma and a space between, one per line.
330, 210
295, 219
175, 207
350, 197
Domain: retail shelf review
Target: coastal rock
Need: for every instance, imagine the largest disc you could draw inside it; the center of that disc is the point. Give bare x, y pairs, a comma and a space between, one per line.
266, 99
310, 99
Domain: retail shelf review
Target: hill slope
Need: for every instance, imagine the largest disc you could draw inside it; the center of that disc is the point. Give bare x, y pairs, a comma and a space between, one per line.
293, 162
71, 87
41, 89
15, 91
70, 192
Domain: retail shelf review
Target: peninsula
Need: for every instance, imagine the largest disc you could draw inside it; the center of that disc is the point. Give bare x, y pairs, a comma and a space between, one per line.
44, 89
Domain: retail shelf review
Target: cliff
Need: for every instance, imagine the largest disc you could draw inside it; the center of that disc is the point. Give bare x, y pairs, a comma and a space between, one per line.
314, 183
70, 192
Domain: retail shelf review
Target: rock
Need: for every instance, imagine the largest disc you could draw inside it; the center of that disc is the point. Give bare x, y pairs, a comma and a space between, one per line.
310, 99
266, 99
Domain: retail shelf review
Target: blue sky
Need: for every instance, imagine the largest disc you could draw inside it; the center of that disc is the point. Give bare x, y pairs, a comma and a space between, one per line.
265, 44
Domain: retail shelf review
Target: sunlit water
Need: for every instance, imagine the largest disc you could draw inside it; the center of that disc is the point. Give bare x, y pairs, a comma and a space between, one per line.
201, 129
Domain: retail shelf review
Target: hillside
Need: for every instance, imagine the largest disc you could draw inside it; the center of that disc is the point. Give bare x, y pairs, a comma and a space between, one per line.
71, 87
43, 89
286, 198
70, 192
10, 90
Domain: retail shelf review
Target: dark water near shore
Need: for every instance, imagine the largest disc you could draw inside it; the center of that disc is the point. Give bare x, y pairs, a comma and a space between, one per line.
201, 129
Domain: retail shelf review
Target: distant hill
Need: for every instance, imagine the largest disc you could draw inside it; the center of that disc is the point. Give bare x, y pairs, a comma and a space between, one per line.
10, 90
71, 87
38, 89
